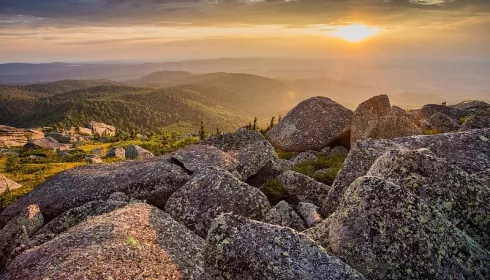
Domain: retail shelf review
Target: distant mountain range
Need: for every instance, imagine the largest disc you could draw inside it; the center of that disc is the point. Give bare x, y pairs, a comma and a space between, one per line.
178, 100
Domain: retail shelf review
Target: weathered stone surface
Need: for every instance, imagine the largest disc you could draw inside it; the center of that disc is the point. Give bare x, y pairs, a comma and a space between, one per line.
312, 125
102, 129
304, 156
469, 150
338, 151
6, 184
153, 180
443, 123
238, 248
368, 111
285, 164
47, 143
310, 213
476, 121
460, 197
385, 232
94, 159
253, 157
302, 188
234, 141
390, 127
211, 192
19, 230
135, 242
116, 152
284, 215
325, 151
430, 109
136, 152
196, 157
472, 104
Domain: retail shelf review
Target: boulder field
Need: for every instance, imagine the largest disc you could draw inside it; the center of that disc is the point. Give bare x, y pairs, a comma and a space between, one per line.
403, 206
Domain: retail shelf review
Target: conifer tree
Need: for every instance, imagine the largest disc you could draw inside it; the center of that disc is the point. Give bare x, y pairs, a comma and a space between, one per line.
202, 132
254, 127
272, 123
218, 132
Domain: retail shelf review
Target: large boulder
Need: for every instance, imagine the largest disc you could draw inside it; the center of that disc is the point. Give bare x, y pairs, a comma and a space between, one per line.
152, 180
7, 185
472, 104
385, 232
284, 215
430, 109
468, 150
137, 152
302, 188
312, 125
116, 152
102, 129
19, 230
369, 110
211, 192
476, 121
196, 157
135, 242
443, 123
390, 127
253, 157
238, 248
234, 141
460, 197
47, 143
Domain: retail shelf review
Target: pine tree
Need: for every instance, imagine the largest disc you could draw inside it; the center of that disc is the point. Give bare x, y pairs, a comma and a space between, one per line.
254, 127
202, 132
272, 123
279, 120
218, 132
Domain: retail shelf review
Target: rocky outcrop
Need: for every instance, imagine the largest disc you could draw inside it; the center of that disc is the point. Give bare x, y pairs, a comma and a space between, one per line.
152, 180
116, 152
284, 215
47, 143
211, 192
18, 230
302, 188
459, 196
137, 153
17, 137
312, 125
6, 184
102, 129
472, 104
472, 156
65, 137
390, 127
138, 241
385, 232
196, 157
310, 213
368, 111
443, 123
238, 248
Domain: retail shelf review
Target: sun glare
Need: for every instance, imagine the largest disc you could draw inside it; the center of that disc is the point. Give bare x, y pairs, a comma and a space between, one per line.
355, 32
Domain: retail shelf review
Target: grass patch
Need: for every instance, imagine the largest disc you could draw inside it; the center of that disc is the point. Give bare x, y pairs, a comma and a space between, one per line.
333, 164
431, 131
274, 190
158, 146
132, 241
285, 155
462, 120
30, 176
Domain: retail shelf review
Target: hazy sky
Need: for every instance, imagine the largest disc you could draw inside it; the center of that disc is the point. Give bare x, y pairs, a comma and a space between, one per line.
163, 30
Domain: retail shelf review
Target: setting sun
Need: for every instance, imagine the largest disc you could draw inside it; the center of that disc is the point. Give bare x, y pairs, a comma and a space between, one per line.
355, 32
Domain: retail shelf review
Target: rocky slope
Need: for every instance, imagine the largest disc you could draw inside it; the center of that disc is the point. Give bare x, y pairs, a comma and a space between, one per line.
407, 207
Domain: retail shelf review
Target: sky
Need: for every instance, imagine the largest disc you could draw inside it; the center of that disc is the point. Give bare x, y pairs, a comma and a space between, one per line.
172, 30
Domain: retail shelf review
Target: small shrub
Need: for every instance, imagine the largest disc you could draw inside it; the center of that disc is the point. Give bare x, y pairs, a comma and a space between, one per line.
462, 120
285, 155
274, 190
12, 165
334, 164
